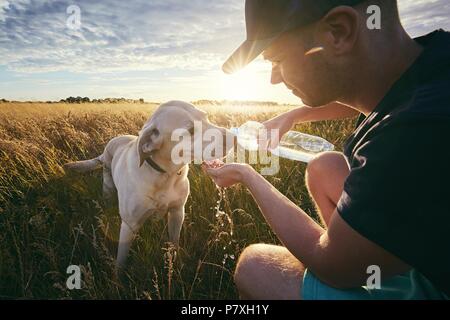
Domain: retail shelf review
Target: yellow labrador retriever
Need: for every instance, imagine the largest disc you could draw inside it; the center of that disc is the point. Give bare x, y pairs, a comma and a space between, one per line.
142, 171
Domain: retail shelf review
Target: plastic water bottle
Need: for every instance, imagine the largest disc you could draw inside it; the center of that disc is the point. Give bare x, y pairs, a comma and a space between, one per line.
293, 145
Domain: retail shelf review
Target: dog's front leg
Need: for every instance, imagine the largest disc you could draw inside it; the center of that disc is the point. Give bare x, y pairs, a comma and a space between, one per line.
125, 240
175, 222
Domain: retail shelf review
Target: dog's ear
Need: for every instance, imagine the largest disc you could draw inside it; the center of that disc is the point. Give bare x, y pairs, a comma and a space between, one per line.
150, 140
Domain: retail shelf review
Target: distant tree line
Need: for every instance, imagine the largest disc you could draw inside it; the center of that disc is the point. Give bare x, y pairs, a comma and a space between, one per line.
84, 100
106, 100
141, 101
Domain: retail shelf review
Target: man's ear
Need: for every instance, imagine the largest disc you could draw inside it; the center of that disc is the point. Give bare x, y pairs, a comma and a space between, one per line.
339, 29
150, 140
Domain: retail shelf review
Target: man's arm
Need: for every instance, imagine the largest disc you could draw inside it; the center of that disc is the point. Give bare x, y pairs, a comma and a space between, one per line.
332, 111
287, 120
339, 256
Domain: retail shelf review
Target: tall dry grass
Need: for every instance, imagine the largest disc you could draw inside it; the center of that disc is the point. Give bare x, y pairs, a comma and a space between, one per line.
49, 220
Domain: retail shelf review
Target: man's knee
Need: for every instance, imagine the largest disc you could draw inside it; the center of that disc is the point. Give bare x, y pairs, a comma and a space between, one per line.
268, 271
246, 265
254, 264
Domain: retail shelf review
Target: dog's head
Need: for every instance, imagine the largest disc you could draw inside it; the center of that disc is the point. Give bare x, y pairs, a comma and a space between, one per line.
179, 130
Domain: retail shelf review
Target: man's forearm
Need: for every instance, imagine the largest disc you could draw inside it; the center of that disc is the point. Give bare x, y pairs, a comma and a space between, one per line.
295, 229
332, 111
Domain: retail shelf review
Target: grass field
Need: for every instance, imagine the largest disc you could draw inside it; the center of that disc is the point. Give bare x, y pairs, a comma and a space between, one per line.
49, 220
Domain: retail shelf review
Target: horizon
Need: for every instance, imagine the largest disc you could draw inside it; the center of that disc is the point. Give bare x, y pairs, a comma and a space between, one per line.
137, 51
137, 101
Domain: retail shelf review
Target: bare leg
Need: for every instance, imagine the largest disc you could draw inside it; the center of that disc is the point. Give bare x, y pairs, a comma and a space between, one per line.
272, 272
268, 272
325, 177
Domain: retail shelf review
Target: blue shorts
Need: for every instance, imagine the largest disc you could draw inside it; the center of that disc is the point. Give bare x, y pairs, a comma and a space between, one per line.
409, 286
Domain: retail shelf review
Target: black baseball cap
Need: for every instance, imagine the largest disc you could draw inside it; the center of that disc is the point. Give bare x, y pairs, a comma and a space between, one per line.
266, 20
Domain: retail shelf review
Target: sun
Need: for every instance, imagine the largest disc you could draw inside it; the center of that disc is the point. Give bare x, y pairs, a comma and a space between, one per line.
246, 84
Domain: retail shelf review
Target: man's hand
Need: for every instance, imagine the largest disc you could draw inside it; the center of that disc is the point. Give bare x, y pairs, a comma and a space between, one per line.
226, 175
283, 123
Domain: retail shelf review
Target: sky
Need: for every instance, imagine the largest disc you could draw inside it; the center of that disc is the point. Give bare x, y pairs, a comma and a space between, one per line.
158, 50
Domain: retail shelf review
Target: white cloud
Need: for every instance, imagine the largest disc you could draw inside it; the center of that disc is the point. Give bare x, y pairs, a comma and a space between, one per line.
118, 35
422, 16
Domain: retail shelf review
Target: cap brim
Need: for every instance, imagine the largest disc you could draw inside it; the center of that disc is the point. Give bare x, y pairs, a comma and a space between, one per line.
246, 53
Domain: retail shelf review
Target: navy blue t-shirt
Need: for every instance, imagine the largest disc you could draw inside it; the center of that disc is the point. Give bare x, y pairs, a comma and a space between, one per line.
398, 191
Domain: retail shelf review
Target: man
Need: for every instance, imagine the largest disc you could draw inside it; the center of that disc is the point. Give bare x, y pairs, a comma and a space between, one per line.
384, 201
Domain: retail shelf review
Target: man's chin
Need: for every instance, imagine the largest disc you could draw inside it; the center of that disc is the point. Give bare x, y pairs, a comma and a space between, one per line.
300, 94
311, 104
308, 101
297, 93
303, 97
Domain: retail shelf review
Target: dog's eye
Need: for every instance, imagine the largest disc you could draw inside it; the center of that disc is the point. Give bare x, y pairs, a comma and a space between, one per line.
155, 132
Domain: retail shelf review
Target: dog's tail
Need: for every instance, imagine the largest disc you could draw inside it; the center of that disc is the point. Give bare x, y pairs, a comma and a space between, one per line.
85, 166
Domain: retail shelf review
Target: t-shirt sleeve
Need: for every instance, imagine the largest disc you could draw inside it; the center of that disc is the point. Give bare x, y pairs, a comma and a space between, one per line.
397, 192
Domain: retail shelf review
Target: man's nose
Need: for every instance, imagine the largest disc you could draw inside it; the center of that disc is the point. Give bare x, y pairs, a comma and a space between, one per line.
276, 77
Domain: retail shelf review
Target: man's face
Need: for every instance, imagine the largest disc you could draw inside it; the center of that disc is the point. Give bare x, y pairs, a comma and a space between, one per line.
310, 77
